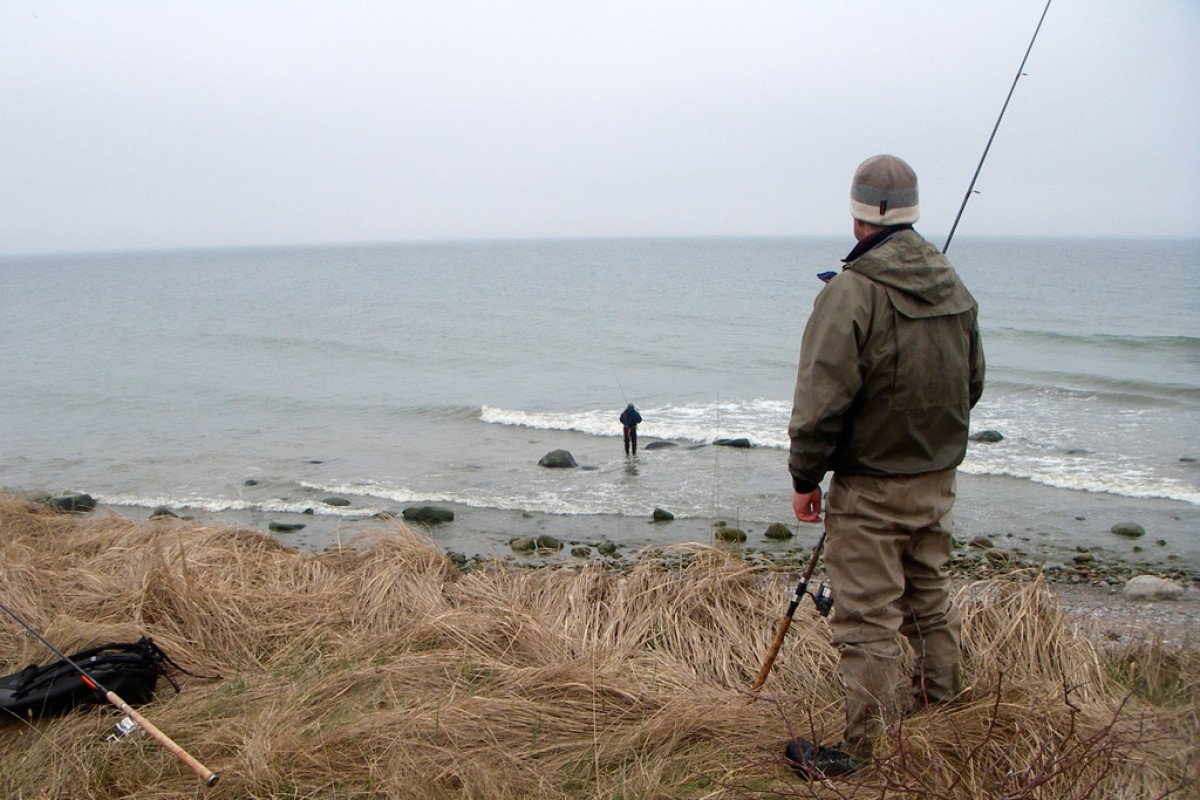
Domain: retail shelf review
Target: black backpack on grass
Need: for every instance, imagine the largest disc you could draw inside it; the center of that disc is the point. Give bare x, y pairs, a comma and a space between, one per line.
130, 669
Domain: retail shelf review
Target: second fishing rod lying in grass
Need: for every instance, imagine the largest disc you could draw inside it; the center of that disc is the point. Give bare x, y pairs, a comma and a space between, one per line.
206, 775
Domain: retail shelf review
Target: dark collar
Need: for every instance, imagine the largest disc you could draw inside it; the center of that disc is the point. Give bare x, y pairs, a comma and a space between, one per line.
874, 240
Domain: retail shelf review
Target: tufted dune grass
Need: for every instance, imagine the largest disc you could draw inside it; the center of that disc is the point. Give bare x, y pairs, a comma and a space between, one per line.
381, 671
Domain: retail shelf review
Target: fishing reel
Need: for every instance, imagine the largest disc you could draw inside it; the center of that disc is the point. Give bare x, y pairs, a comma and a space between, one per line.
823, 599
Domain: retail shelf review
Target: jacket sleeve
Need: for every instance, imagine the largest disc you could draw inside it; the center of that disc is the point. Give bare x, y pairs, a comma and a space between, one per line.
975, 386
828, 378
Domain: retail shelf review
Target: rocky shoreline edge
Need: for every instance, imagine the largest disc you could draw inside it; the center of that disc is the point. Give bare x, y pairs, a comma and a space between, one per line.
1113, 599
979, 558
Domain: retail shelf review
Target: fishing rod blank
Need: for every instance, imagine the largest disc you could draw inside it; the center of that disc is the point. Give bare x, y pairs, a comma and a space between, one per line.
823, 601
996, 127
206, 775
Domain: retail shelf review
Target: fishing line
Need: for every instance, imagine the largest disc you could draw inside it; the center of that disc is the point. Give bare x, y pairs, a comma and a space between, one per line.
996, 127
613, 367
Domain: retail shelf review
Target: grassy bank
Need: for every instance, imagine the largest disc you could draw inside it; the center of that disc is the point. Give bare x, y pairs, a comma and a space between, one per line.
383, 671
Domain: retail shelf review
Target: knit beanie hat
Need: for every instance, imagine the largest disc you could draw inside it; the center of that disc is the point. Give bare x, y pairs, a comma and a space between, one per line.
884, 192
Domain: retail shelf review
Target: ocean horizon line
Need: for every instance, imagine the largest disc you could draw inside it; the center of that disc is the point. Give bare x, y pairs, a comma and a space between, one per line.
136, 250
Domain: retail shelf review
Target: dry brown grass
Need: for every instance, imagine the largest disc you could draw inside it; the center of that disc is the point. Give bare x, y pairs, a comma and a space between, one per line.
381, 671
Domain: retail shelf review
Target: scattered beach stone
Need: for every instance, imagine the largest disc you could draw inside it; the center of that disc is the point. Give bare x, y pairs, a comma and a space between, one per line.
528, 544
658, 445
431, 514
558, 459
285, 527
982, 541
250, 482
1130, 530
581, 552
987, 437
336, 501
999, 556
456, 558
606, 548
162, 512
742, 442
728, 533
778, 531
662, 515
1083, 558
78, 503
1149, 587
309, 511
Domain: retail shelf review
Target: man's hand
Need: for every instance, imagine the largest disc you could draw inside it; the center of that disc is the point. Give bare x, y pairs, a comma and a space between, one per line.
807, 506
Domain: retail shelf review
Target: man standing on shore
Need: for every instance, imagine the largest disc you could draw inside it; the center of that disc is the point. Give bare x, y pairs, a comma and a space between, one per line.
630, 419
890, 367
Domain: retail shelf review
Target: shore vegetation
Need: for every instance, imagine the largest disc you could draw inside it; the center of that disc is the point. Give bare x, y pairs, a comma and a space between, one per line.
382, 670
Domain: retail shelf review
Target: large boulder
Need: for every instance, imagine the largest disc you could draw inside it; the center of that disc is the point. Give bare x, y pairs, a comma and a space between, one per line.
728, 533
742, 442
433, 515
987, 437
77, 503
778, 531
1149, 587
558, 459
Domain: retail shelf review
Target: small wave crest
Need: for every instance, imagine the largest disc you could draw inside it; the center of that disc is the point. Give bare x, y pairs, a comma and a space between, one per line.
762, 421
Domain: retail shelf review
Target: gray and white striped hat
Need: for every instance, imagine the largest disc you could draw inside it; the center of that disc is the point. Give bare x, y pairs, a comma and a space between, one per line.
884, 192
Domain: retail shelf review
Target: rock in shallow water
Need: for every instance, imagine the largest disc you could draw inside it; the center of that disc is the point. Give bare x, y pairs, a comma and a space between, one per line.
1129, 530
72, 503
558, 459
428, 514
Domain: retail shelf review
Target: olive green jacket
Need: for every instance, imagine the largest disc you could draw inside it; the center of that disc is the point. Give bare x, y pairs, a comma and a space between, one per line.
890, 367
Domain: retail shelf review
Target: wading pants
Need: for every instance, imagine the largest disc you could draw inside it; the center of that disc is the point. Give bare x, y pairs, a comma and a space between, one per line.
888, 539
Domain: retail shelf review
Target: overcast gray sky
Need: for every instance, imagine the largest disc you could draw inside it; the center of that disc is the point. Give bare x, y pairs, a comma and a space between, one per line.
162, 124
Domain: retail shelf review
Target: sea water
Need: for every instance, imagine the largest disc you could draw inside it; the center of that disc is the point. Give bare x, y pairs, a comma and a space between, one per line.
262, 381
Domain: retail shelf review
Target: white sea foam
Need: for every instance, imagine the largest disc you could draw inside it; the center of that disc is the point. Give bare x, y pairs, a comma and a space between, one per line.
762, 421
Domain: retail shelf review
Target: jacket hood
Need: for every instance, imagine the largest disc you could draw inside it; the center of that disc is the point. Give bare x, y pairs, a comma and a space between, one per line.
919, 280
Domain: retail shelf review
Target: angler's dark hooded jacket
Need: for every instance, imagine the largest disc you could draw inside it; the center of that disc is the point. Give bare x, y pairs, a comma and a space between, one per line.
890, 367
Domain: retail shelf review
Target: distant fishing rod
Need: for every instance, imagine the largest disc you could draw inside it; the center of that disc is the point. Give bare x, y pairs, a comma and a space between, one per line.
618, 377
206, 775
996, 127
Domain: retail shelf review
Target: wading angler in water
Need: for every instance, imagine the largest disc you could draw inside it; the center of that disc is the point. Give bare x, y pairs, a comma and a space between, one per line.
630, 418
890, 367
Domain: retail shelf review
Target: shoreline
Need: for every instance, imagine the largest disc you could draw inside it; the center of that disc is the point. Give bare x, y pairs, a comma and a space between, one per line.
482, 535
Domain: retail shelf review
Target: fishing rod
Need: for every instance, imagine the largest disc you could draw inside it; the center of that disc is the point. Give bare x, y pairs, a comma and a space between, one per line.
996, 127
613, 367
206, 775
822, 599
